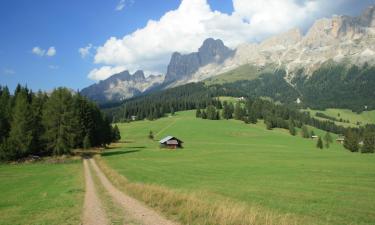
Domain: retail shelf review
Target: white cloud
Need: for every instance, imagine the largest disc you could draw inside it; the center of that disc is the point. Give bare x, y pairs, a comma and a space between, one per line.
42, 52
185, 28
105, 72
123, 3
51, 51
85, 51
9, 71
38, 51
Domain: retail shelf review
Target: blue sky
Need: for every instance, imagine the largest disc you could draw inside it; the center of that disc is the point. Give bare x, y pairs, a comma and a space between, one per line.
73, 24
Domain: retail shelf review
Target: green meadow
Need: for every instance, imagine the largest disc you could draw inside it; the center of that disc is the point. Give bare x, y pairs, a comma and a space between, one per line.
366, 117
248, 164
41, 193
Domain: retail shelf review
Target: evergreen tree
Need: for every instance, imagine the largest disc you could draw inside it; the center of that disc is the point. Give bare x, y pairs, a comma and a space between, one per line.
319, 144
305, 132
211, 112
204, 114
252, 117
116, 136
86, 142
328, 139
60, 122
21, 133
226, 113
198, 113
172, 111
292, 129
37, 106
368, 142
5, 113
238, 111
351, 141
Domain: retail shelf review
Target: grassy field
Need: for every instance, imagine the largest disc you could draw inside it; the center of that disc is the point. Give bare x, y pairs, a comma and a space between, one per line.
363, 118
41, 193
244, 72
248, 164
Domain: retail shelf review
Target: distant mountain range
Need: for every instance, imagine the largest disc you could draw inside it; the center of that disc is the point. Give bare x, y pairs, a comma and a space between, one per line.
341, 39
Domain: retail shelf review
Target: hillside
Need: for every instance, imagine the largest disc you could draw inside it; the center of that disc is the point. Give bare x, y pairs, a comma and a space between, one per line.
246, 164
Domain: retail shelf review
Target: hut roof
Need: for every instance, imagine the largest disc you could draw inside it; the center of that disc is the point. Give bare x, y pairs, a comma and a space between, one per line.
168, 138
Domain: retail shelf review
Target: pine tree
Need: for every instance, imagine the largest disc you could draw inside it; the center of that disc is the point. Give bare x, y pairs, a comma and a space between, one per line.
21, 133
238, 111
60, 122
116, 134
368, 142
86, 142
5, 113
226, 113
327, 139
292, 129
37, 106
204, 114
319, 144
351, 141
211, 112
252, 117
198, 113
305, 132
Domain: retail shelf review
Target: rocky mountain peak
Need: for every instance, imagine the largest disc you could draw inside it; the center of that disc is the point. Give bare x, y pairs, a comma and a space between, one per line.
183, 66
368, 17
139, 75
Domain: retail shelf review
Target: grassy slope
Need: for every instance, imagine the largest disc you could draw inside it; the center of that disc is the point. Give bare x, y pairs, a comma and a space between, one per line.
249, 164
244, 72
41, 193
364, 118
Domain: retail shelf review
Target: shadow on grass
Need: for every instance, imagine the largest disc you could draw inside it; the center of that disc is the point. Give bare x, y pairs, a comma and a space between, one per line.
121, 152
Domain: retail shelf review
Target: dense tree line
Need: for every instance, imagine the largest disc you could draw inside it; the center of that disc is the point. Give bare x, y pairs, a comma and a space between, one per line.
338, 86
158, 104
281, 116
50, 124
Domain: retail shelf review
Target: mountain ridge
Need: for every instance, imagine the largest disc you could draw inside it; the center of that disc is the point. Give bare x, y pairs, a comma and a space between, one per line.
339, 38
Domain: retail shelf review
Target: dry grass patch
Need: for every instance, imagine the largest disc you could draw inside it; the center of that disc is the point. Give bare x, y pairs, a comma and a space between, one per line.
196, 208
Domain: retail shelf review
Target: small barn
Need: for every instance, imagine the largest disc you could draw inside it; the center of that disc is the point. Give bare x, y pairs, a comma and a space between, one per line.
171, 142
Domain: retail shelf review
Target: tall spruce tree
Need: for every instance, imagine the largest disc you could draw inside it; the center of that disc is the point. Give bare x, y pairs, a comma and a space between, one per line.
319, 144
351, 141
238, 111
60, 122
305, 132
292, 129
5, 113
328, 139
21, 133
368, 142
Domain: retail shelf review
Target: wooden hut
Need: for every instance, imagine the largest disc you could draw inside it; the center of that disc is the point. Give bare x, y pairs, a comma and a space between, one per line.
171, 142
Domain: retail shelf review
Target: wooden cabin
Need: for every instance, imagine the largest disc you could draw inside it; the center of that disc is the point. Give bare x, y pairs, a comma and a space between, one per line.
171, 142
340, 140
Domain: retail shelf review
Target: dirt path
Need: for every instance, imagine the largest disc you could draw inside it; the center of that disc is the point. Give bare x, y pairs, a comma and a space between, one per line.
93, 212
132, 207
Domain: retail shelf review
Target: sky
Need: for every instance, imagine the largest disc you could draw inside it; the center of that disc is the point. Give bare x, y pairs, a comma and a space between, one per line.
45, 44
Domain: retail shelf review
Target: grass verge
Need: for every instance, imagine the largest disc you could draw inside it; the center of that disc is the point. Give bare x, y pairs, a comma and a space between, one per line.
195, 208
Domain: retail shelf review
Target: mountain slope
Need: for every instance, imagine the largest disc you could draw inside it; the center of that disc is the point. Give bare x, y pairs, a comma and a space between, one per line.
182, 67
121, 86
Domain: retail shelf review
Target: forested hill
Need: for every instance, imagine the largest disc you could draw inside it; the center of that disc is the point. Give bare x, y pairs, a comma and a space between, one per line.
338, 86
331, 86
